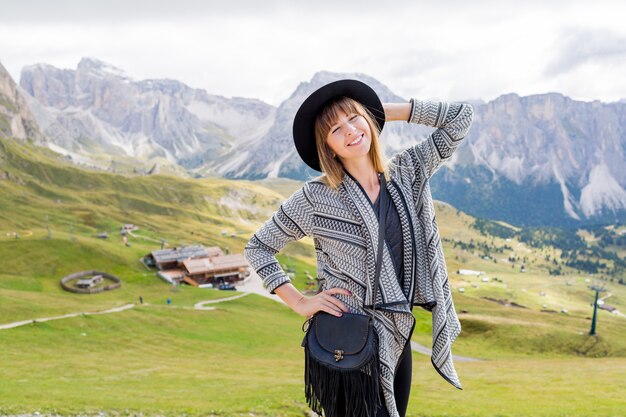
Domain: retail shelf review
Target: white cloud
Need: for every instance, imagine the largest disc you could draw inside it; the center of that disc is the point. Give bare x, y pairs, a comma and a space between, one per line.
449, 49
578, 47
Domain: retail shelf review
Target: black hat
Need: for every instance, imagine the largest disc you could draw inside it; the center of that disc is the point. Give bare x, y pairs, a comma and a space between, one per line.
304, 122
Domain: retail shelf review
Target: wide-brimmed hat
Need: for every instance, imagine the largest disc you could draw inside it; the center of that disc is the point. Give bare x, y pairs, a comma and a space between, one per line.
304, 122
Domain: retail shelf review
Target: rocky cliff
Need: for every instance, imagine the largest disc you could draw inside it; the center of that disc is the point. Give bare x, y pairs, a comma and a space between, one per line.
16, 119
97, 108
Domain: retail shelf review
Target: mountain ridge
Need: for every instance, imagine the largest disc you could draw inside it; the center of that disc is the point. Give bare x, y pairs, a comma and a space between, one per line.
548, 141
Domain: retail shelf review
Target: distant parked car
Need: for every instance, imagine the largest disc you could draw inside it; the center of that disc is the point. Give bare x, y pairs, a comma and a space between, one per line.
227, 287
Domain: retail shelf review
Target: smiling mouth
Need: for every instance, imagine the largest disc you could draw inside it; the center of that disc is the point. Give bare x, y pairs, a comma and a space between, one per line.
356, 141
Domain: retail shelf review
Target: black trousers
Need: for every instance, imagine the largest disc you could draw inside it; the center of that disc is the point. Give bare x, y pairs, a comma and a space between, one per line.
401, 385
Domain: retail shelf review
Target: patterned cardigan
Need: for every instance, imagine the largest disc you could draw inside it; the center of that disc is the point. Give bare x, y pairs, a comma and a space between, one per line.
344, 229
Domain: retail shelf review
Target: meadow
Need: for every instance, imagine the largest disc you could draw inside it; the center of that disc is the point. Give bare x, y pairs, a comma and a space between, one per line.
244, 358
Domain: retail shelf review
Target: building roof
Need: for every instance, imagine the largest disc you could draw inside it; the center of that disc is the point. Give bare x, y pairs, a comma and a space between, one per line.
171, 274
214, 251
215, 264
198, 266
235, 260
179, 254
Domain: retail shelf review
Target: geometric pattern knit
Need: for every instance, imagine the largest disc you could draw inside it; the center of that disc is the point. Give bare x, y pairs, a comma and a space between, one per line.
344, 228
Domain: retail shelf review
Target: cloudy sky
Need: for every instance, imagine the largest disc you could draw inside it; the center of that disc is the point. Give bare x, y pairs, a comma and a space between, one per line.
444, 49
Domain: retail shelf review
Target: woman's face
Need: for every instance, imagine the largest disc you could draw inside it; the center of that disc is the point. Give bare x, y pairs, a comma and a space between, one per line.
350, 136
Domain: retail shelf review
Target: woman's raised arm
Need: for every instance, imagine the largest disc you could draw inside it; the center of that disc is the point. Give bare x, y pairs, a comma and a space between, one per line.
452, 121
397, 111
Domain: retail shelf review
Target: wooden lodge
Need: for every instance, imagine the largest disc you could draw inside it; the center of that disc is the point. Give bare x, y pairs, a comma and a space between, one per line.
165, 259
217, 270
197, 265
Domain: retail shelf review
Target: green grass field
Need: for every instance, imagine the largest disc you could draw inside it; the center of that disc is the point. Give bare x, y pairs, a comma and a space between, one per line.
244, 358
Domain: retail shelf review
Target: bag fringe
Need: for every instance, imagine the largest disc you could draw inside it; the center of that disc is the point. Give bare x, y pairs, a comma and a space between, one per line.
361, 388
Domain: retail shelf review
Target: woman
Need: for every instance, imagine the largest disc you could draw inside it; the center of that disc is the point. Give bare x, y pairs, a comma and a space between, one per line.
336, 132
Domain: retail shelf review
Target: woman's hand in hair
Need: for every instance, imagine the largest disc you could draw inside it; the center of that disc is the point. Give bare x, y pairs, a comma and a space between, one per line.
397, 111
323, 301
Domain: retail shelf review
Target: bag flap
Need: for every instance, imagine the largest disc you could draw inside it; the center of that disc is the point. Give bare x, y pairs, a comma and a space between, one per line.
348, 332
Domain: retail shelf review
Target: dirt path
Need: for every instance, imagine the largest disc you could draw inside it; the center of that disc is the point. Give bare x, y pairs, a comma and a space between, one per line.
65, 316
201, 304
254, 284
148, 238
198, 306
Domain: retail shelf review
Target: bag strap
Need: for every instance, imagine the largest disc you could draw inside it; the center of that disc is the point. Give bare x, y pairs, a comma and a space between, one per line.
382, 220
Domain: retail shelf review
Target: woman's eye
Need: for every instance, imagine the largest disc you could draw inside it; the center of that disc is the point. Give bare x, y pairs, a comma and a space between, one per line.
335, 130
354, 117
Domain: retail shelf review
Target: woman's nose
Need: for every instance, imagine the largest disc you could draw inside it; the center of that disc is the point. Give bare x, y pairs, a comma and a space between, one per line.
350, 128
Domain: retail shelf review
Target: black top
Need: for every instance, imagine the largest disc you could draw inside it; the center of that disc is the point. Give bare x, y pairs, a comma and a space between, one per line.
393, 234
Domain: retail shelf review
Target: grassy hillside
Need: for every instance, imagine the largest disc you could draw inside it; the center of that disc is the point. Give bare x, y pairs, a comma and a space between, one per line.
557, 314
245, 356
37, 183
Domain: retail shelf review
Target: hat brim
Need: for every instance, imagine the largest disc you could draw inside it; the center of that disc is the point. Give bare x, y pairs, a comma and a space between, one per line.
304, 122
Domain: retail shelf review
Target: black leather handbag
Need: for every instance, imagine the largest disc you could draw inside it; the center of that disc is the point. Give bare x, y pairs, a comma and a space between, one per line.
343, 352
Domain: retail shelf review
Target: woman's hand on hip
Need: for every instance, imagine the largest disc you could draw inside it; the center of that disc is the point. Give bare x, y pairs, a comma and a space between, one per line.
323, 301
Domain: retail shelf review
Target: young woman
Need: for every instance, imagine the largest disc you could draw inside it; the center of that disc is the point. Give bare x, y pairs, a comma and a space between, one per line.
336, 131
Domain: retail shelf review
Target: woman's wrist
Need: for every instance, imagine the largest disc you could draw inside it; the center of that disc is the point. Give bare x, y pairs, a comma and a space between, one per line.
298, 302
290, 295
397, 111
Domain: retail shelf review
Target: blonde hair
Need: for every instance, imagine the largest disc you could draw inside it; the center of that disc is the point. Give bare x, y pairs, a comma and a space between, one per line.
331, 166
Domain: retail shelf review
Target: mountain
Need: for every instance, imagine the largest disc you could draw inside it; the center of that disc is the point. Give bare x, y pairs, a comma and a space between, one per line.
98, 109
537, 160
541, 159
16, 119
